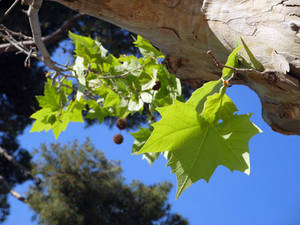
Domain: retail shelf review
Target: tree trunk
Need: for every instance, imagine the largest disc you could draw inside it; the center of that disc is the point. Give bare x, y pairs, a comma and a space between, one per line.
186, 29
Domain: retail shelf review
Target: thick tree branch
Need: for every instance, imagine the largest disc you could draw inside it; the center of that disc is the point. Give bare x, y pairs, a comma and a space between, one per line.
186, 30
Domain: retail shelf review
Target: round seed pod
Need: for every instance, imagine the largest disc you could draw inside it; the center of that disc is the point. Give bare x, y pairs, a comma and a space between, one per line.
121, 123
156, 86
118, 139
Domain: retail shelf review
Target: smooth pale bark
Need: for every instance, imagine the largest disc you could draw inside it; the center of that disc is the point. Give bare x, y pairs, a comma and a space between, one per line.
186, 29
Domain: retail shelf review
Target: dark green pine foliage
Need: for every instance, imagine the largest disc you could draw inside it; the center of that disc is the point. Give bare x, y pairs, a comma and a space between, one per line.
80, 186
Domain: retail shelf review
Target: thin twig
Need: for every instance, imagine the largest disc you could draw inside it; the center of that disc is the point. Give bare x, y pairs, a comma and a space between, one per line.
27, 62
56, 35
121, 76
236, 70
69, 75
273, 76
44, 56
234, 79
11, 7
11, 32
17, 45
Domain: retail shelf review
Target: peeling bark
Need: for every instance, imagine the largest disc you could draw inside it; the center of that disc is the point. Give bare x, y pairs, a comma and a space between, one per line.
186, 29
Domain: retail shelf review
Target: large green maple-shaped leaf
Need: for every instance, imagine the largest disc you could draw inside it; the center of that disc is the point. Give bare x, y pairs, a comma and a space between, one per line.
199, 143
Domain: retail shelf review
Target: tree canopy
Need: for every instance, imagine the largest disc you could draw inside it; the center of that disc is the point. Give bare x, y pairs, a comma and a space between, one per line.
80, 186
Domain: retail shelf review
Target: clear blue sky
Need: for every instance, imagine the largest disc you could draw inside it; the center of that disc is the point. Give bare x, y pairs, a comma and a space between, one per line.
269, 196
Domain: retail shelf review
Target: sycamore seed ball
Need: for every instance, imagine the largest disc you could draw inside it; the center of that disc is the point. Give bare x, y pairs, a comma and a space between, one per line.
121, 123
118, 139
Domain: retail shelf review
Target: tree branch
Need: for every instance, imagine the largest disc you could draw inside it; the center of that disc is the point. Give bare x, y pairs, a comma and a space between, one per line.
14, 162
60, 32
273, 76
33, 16
11, 191
11, 7
18, 45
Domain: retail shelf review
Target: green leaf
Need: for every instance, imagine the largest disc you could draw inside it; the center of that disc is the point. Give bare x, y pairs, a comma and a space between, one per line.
60, 124
199, 96
257, 65
112, 99
88, 48
146, 48
74, 111
148, 79
200, 143
39, 126
178, 122
141, 137
41, 120
51, 119
51, 97
232, 61
96, 111
135, 104
46, 118
67, 91
218, 106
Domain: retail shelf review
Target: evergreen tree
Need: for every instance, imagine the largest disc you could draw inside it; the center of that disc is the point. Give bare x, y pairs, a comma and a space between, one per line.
80, 186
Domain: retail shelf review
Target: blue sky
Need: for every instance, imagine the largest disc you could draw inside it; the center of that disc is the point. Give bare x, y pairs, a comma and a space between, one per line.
269, 196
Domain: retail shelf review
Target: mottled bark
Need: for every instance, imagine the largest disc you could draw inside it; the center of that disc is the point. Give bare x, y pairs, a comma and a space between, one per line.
185, 29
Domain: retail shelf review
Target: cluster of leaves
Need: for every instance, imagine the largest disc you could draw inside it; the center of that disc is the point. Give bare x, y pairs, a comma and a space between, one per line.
196, 136
80, 186
199, 135
102, 85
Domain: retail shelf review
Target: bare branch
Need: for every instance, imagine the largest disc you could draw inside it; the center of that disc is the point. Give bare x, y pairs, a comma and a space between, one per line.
11, 191
13, 33
27, 61
236, 70
36, 32
11, 7
18, 45
12, 160
59, 33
